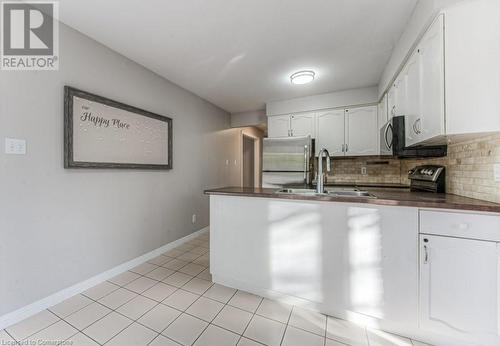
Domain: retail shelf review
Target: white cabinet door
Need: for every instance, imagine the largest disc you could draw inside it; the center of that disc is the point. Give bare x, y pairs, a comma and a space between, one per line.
330, 132
400, 95
361, 131
382, 112
391, 102
411, 73
431, 52
458, 286
302, 125
278, 126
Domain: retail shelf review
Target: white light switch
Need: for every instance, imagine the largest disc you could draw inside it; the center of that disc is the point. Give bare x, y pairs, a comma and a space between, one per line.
496, 170
15, 146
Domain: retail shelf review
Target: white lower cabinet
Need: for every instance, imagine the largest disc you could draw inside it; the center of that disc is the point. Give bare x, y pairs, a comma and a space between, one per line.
459, 286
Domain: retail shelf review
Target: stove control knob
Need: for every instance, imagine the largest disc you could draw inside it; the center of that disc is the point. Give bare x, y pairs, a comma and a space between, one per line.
430, 172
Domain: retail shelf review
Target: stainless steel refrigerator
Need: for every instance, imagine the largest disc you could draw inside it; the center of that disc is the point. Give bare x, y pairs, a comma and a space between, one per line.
287, 161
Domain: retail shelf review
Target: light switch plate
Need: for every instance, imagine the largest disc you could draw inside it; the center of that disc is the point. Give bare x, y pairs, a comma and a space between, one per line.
496, 169
15, 146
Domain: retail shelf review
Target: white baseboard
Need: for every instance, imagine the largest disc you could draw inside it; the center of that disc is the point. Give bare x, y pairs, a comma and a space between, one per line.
42, 304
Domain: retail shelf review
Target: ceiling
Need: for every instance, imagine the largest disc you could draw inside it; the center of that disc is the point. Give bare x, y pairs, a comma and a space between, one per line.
239, 54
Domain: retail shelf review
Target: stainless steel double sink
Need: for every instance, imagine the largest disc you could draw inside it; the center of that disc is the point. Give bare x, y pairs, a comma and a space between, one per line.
333, 192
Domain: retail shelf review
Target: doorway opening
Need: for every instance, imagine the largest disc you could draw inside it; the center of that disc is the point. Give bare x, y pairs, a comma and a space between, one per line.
248, 161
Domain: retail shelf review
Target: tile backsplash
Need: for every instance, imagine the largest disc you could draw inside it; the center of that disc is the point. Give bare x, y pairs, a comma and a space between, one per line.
469, 169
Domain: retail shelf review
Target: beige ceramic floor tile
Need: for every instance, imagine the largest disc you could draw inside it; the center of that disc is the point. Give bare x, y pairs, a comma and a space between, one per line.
159, 260
185, 329
117, 298
192, 269
133, 335
311, 321
81, 339
266, 331
180, 299
137, 307
159, 273
144, 268
70, 305
299, 337
141, 284
233, 319
245, 301
275, 310
32, 325
159, 292
99, 291
177, 279
220, 293
124, 278
159, 317
163, 341
88, 315
106, 328
198, 286
55, 333
214, 335
205, 308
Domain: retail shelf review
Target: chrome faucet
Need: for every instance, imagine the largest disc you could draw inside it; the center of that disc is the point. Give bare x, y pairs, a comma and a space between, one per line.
319, 177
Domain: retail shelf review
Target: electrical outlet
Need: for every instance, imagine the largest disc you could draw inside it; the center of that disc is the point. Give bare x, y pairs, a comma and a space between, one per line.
363, 170
15, 146
193, 218
496, 169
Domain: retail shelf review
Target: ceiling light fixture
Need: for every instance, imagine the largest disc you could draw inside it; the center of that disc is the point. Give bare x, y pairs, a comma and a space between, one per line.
302, 77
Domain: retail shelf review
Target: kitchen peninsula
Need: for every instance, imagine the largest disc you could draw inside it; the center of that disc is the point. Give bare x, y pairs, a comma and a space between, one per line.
365, 259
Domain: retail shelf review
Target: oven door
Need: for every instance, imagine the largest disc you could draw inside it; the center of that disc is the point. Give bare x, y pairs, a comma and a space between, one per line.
386, 139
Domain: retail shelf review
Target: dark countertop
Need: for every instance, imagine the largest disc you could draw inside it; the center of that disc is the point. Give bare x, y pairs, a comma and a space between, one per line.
385, 196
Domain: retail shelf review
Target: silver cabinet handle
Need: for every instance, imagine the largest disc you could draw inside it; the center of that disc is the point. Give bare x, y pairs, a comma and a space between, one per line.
343, 147
386, 132
346, 148
426, 254
416, 129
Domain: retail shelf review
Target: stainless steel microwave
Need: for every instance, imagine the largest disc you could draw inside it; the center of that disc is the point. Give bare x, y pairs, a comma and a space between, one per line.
393, 142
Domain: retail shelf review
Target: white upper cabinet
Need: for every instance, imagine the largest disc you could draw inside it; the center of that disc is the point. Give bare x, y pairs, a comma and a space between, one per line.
330, 132
278, 126
459, 286
429, 120
413, 121
382, 112
391, 102
472, 45
400, 95
361, 131
302, 125
296, 125
464, 100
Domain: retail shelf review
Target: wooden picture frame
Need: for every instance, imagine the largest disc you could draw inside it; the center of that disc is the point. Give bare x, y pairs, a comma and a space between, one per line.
110, 134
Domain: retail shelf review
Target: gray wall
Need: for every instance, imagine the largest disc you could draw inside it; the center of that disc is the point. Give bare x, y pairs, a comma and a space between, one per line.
59, 227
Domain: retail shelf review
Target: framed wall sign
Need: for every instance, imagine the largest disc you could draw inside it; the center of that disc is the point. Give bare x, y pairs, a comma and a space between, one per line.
102, 133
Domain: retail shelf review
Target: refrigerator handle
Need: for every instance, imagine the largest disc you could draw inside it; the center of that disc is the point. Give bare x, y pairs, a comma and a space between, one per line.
306, 163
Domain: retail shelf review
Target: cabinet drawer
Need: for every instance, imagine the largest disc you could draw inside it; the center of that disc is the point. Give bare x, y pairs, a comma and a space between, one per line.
463, 225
